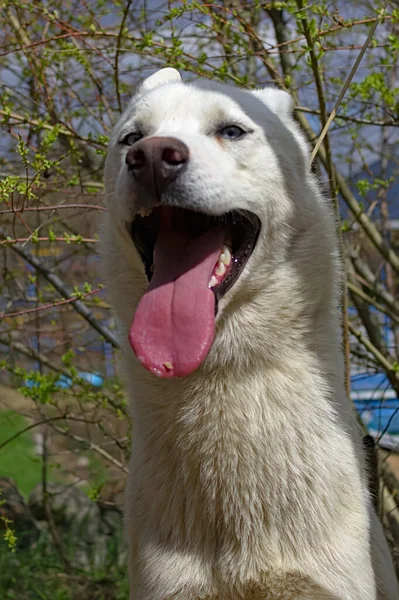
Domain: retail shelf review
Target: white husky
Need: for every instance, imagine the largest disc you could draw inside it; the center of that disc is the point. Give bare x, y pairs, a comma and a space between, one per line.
247, 478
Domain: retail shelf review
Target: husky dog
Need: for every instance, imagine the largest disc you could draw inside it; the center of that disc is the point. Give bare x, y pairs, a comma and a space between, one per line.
247, 478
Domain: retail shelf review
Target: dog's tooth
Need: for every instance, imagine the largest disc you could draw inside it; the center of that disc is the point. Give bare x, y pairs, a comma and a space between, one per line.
220, 269
225, 257
213, 282
168, 365
144, 212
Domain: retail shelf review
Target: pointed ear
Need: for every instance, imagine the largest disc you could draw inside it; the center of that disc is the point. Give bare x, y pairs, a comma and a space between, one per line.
161, 77
281, 103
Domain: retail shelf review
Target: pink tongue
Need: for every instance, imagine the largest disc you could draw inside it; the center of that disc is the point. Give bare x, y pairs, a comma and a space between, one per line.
174, 324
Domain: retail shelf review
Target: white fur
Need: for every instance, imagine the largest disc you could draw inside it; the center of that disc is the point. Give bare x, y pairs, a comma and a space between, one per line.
247, 477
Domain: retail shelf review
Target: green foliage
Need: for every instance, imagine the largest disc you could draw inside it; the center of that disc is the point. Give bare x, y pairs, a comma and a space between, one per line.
374, 87
42, 387
363, 185
8, 533
8, 185
17, 458
71, 67
39, 574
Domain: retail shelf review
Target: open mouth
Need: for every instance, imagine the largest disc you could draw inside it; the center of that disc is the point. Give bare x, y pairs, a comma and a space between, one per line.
241, 234
191, 260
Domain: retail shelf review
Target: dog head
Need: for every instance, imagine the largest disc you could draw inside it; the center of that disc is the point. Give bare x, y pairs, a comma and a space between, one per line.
208, 190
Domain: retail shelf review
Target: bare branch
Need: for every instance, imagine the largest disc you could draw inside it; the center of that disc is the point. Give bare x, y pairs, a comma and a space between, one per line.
62, 289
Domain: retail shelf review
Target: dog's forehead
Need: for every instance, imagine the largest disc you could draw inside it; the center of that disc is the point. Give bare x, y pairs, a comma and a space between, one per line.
181, 103
200, 108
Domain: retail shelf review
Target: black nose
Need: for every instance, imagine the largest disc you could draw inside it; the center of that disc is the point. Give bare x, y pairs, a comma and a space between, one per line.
157, 160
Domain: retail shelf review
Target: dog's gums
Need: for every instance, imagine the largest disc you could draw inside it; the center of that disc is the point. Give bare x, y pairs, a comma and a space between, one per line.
221, 269
191, 261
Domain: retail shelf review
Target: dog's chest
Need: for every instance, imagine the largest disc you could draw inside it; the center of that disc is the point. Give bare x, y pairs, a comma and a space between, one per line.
270, 586
231, 484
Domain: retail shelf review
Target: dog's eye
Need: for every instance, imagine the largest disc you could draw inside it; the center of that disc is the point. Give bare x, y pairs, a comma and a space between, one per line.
132, 138
231, 132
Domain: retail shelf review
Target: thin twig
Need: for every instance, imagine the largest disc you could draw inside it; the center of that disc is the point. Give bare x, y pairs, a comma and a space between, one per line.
32, 353
358, 212
92, 446
28, 311
359, 292
10, 242
388, 367
347, 84
62, 289
52, 208
43, 422
351, 119
117, 53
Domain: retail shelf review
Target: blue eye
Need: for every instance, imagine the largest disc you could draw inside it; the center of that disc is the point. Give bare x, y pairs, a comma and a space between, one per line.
132, 138
232, 132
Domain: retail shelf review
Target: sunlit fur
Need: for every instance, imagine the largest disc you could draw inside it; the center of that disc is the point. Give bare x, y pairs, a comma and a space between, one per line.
247, 478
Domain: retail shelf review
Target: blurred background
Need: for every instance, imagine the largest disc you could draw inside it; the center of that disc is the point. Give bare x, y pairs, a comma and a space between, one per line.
67, 70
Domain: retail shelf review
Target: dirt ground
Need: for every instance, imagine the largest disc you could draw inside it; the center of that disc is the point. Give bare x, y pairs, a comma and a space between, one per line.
11, 399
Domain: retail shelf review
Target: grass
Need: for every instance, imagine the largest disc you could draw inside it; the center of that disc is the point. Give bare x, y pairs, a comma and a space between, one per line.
19, 462
38, 574
17, 459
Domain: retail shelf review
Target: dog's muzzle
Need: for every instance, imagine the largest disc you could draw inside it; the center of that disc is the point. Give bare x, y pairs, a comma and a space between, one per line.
157, 162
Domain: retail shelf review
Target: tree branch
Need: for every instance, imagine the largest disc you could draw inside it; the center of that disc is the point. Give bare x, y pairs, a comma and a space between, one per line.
62, 289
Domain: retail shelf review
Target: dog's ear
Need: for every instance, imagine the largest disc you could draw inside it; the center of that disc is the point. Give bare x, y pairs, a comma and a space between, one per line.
282, 105
161, 77
279, 102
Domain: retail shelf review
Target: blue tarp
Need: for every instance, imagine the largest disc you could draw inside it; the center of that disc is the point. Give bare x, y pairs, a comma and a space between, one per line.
65, 382
378, 406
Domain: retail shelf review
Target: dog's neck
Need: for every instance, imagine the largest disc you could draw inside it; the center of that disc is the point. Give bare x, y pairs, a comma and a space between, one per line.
295, 368
220, 449
222, 421
228, 461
